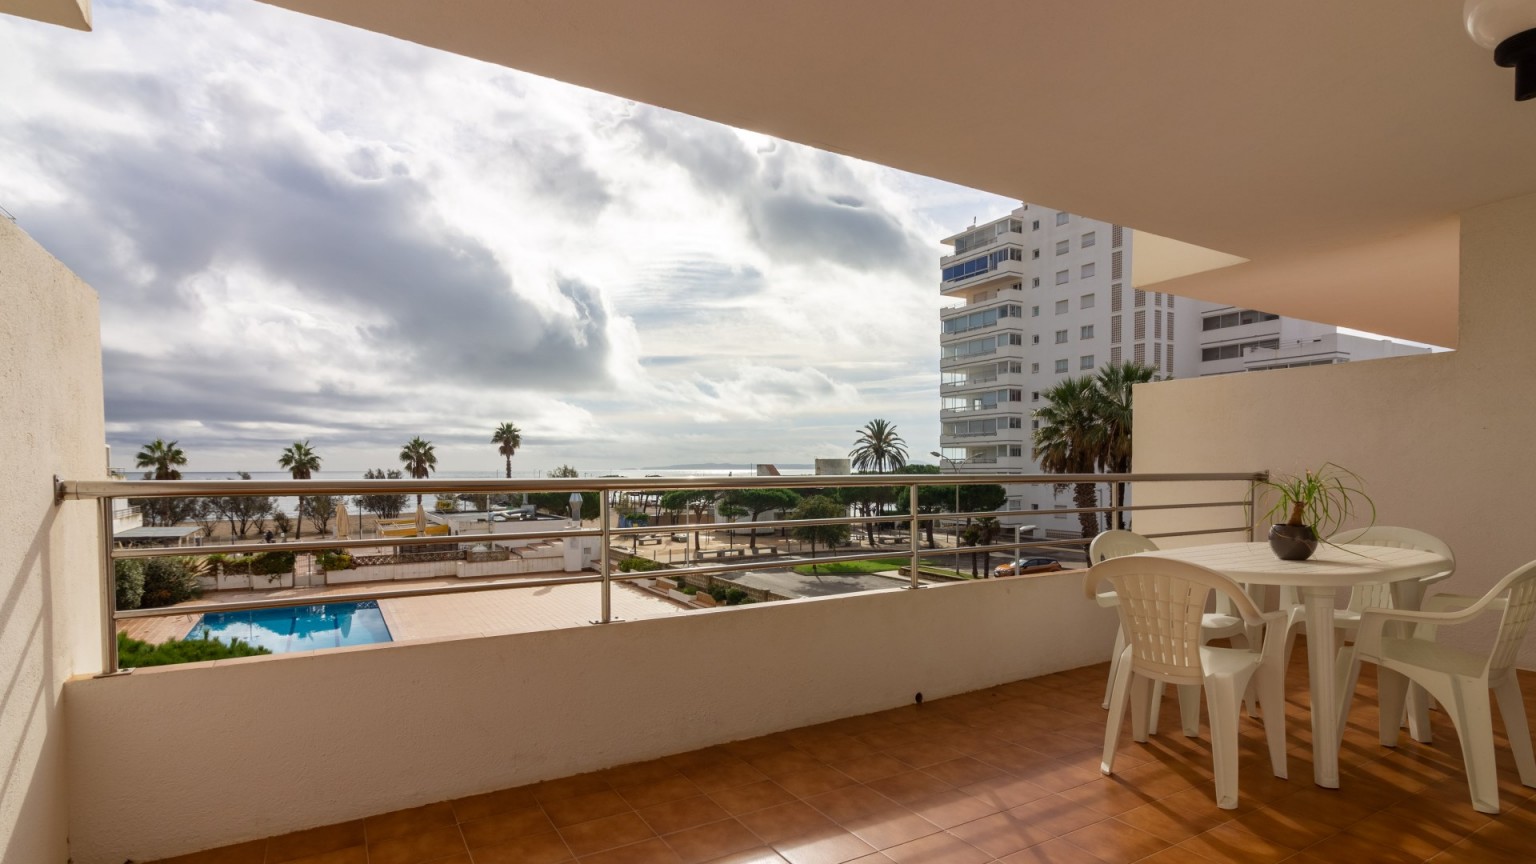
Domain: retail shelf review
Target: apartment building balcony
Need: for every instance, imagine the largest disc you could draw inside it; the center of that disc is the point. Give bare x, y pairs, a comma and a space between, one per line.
999, 295
1005, 272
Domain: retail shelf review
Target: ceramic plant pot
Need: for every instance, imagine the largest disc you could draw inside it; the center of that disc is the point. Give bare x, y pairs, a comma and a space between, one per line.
1292, 542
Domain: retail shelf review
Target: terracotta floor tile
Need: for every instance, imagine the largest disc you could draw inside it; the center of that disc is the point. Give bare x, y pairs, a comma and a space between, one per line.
566, 787
872, 767
658, 791
546, 848
1113, 840
585, 807
505, 826
683, 813
786, 821
723, 774
411, 821
586, 838
909, 786
922, 753
1174, 820
640, 772
350, 855
1055, 815
753, 796
480, 806
652, 851
1229, 842
713, 841
1003, 833
887, 828
253, 852
759, 855
948, 809
841, 805
962, 771
805, 784
314, 841
1057, 851
1005, 791
834, 847
940, 848
784, 763
418, 847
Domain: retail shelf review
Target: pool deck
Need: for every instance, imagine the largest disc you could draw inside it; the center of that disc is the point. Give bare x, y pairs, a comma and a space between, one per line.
513, 610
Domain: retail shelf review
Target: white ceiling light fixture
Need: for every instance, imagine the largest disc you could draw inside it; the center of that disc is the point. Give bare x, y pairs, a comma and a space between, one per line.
1508, 28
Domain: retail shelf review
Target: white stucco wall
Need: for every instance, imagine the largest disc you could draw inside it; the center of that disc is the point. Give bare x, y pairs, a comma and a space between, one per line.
274, 744
1443, 441
51, 421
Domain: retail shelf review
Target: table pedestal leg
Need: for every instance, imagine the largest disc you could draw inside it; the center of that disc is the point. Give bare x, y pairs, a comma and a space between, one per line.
1320, 672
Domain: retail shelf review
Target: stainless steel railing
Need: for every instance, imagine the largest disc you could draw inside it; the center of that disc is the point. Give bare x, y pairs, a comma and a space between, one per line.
106, 492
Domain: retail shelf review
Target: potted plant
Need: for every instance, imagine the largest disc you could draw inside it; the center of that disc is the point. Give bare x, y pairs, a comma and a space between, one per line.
1314, 505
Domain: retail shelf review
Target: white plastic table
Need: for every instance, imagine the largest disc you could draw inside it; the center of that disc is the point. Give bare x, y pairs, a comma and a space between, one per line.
1319, 580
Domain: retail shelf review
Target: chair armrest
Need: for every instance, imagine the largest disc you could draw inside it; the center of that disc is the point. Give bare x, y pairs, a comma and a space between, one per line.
1277, 628
1373, 620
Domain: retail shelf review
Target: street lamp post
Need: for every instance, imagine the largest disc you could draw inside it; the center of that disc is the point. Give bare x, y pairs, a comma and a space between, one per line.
954, 468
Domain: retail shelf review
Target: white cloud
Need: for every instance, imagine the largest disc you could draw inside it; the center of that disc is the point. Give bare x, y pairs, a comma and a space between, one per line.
304, 231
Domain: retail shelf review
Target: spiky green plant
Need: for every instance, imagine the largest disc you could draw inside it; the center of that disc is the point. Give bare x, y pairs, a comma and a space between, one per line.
1322, 500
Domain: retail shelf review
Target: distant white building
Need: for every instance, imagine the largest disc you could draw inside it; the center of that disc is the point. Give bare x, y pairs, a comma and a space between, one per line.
1041, 295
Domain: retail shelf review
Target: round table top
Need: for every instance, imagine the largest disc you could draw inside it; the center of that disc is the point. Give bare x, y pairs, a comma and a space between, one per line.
1340, 566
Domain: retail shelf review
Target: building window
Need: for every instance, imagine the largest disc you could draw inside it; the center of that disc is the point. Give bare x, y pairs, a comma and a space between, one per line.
1035, 225
1086, 332
1015, 422
1015, 339
1116, 234
1035, 282
1235, 319
1015, 450
1035, 424
1034, 368
1116, 263
1062, 276
1157, 298
1035, 339
1140, 331
1034, 311
1170, 324
1061, 366
1085, 301
1157, 354
1061, 337
1114, 355
1141, 298
1061, 218
1157, 325
1115, 295
1235, 350
1063, 247
1088, 240
1085, 361
1034, 396
1140, 354
1114, 330
1087, 270
1034, 254
1061, 307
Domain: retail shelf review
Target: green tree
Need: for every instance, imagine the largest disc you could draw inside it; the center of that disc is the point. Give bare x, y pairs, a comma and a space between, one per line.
384, 505
559, 503
820, 507
319, 510
509, 438
420, 460
698, 500
1069, 441
930, 499
301, 462
1113, 385
878, 448
756, 502
242, 512
163, 458
982, 532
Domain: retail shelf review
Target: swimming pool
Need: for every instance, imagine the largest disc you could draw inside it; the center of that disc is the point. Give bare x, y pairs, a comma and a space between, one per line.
298, 628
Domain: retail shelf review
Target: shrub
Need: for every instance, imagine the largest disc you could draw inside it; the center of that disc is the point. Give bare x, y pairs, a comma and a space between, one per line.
638, 564
736, 597
271, 563
168, 581
133, 653
233, 564
334, 559
130, 582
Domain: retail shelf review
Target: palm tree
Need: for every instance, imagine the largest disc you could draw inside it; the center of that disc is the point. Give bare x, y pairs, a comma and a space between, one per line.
1068, 441
419, 459
510, 438
163, 459
878, 448
300, 461
1112, 390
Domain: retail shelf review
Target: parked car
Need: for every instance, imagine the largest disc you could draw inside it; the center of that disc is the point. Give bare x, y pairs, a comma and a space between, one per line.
1027, 565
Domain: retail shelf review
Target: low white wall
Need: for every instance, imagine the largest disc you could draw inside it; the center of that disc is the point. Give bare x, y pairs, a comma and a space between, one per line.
388, 572
1444, 441
419, 722
50, 615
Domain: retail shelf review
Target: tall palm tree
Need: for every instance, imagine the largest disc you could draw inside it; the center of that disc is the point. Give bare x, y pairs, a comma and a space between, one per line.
1112, 388
420, 460
301, 462
163, 459
878, 448
510, 438
1069, 438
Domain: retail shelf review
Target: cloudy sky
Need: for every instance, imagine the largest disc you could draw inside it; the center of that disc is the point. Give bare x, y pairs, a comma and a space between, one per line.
304, 231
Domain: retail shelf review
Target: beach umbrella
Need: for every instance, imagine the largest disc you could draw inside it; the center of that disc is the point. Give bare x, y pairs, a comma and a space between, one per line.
343, 524
421, 520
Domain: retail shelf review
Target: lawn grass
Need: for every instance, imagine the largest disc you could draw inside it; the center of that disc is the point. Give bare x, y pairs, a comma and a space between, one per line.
876, 566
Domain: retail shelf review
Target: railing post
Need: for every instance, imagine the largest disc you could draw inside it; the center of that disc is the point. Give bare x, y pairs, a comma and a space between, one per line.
602, 506
1114, 505
1253, 507
108, 589
912, 531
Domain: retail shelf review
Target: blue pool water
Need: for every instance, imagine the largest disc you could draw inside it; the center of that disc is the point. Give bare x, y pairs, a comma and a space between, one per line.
298, 628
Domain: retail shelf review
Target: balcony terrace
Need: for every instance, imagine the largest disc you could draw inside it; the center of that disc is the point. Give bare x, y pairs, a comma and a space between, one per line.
1288, 192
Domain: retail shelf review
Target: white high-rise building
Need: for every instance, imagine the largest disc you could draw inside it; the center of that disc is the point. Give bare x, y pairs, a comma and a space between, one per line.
1042, 295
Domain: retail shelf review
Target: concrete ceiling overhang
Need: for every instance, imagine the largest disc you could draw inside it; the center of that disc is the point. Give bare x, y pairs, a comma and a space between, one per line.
74, 14
1272, 132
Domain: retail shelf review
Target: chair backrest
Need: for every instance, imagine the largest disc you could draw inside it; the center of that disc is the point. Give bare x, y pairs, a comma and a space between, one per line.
1379, 594
1521, 608
1113, 544
1161, 606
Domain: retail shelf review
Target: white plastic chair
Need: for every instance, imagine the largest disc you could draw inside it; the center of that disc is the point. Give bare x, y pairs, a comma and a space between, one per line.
1461, 680
1161, 603
1220, 624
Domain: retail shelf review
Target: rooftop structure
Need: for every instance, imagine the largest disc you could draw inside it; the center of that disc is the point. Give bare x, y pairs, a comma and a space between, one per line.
1267, 159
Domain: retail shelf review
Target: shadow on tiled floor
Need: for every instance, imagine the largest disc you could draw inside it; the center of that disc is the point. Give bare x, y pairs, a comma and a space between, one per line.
1007, 774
